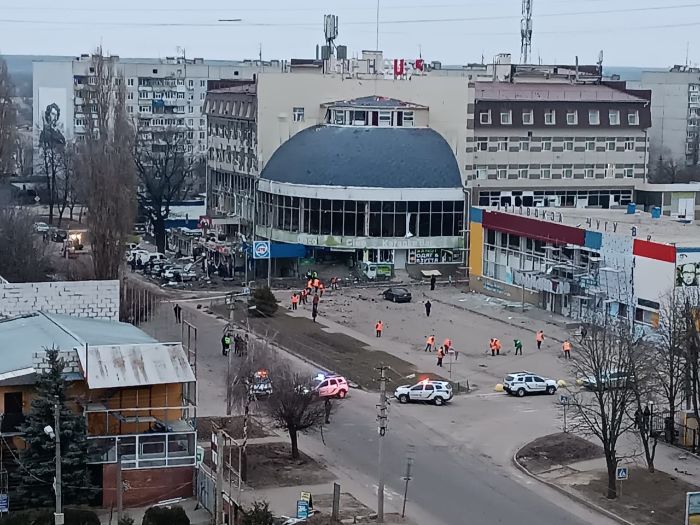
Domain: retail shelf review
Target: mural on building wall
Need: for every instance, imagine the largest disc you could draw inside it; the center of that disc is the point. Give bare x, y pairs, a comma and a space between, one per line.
688, 274
52, 117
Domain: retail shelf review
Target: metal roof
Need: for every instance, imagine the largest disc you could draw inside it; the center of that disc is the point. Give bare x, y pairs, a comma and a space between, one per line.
374, 102
552, 92
111, 366
23, 336
365, 157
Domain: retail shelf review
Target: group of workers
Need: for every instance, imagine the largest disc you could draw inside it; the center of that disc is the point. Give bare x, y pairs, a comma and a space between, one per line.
443, 350
315, 289
495, 345
240, 343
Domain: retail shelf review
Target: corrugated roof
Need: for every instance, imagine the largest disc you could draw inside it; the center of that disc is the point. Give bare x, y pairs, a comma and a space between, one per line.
111, 366
21, 337
554, 92
365, 157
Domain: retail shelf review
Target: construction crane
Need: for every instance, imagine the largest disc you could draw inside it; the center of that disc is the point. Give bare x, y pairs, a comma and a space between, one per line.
526, 32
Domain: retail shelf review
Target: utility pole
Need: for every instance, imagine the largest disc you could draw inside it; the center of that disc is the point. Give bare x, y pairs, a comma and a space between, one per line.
58, 516
220, 447
119, 487
382, 419
407, 478
229, 393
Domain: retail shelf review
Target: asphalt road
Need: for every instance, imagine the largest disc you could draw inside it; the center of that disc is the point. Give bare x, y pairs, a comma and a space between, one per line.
455, 484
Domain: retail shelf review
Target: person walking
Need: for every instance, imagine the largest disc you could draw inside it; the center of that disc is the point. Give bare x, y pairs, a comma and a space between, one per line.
295, 301
518, 344
433, 280
177, 309
428, 306
303, 296
430, 343
440, 355
566, 348
378, 328
225, 344
327, 407
539, 337
314, 311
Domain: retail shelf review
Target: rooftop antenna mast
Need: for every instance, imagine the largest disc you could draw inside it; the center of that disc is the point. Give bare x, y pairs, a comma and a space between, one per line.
526, 32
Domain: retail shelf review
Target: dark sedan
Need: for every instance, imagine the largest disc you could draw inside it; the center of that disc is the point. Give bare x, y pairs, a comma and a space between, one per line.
397, 295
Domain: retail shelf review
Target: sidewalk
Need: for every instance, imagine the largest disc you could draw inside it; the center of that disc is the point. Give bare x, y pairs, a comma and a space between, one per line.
643, 498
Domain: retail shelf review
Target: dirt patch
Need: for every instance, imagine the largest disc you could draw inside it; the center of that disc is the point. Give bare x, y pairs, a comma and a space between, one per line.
232, 425
645, 499
350, 507
562, 448
334, 352
271, 465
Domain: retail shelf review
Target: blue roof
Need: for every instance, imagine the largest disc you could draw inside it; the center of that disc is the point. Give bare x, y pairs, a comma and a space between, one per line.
366, 157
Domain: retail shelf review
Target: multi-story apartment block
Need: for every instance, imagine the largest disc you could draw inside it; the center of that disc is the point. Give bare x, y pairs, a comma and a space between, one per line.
556, 144
675, 114
160, 94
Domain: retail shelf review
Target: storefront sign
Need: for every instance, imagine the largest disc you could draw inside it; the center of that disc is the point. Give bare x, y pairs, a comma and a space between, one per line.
692, 508
331, 241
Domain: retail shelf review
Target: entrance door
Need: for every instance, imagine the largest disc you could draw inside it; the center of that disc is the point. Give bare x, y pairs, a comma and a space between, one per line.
400, 259
13, 412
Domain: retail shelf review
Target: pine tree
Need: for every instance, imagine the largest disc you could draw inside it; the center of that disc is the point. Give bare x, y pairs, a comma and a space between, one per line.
264, 301
34, 476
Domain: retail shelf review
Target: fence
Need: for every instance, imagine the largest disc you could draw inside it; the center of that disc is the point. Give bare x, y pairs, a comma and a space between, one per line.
206, 489
663, 427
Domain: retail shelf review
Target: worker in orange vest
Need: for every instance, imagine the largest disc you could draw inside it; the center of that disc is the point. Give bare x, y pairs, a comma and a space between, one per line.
566, 348
440, 355
448, 347
295, 301
495, 346
430, 343
309, 284
317, 283
539, 337
321, 288
304, 295
379, 327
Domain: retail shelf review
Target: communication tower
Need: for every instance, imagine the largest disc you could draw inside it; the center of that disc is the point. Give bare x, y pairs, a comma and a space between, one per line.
526, 32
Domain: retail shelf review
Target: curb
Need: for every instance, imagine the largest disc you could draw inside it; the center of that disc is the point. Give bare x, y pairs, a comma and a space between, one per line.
570, 495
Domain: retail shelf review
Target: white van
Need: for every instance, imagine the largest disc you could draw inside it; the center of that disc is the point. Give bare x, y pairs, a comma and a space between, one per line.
147, 257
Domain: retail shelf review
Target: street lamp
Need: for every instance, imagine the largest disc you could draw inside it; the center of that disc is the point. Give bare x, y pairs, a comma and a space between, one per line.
56, 435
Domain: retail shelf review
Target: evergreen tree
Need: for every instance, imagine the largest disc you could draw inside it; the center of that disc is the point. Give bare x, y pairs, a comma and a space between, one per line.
34, 476
264, 301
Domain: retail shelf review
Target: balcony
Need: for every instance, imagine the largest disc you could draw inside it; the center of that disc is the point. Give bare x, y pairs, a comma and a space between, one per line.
145, 450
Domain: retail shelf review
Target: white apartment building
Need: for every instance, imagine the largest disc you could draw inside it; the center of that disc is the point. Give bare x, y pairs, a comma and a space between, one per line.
675, 114
161, 93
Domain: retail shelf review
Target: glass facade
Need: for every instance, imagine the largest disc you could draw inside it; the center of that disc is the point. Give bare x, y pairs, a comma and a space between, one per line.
361, 218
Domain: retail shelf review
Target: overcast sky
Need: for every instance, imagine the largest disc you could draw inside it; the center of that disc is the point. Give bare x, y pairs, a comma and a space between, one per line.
631, 32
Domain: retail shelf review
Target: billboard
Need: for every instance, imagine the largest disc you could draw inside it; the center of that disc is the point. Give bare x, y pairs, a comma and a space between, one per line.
51, 122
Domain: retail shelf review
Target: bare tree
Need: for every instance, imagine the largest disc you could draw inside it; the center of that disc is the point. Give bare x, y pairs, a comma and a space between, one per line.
65, 182
166, 172
106, 168
641, 379
688, 320
24, 154
8, 121
601, 411
23, 253
293, 405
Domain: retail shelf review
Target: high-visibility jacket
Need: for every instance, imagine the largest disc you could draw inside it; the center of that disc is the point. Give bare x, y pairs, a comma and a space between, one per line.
295, 299
447, 344
321, 286
317, 283
227, 341
379, 326
304, 292
539, 336
309, 283
441, 352
566, 346
430, 340
496, 344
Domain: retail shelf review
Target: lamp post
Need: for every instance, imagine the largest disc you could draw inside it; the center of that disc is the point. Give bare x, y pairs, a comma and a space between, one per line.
56, 435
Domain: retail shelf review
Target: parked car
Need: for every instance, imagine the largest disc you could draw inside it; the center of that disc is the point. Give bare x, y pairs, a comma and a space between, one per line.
437, 392
59, 235
521, 383
41, 227
612, 379
134, 254
397, 295
146, 257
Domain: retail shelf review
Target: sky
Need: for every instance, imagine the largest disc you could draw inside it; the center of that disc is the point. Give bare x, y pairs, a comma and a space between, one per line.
652, 33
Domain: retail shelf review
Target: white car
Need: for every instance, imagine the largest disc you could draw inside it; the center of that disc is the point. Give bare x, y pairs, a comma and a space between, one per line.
438, 392
154, 257
330, 386
130, 255
521, 383
41, 227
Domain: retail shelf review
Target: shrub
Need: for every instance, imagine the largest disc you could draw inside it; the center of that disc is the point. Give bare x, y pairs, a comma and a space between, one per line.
46, 517
165, 516
264, 301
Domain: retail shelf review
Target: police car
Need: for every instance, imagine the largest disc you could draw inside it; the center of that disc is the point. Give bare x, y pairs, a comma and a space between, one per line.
330, 385
437, 392
521, 383
262, 386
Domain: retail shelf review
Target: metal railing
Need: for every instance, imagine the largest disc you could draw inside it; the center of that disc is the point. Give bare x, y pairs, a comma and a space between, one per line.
144, 450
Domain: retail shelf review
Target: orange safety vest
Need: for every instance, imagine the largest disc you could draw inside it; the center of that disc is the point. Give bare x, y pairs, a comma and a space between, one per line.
378, 327
295, 299
309, 283
431, 340
317, 283
304, 293
321, 286
447, 344
539, 336
566, 346
496, 344
441, 352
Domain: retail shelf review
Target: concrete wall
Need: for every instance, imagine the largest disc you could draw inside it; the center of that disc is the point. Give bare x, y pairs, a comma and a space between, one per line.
446, 97
94, 299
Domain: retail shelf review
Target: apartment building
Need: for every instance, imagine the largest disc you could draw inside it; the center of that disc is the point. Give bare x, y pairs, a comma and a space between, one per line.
556, 144
675, 114
162, 94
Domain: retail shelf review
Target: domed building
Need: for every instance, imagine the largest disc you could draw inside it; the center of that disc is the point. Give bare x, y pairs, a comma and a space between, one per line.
373, 184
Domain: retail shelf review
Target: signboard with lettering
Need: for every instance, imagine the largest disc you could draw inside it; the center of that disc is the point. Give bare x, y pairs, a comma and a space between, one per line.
692, 508
302, 509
